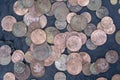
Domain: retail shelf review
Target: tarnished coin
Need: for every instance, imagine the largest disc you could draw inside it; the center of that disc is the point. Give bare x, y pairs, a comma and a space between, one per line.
86, 69
28, 3
94, 5
51, 32
60, 63
78, 23
9, 76
83, 2
59, 76
116, 77
113, 2
111, 56
101, 78
37, 68
43, 21
89, 29
19, 8
28, 56
102, 12
93, 69
60, 24
19, 67
5, 50
7, 23
38, 36
69, 16
101, 65
90, 45
17, 56
5, 60
117, 37
19, 29
98, 37
87, 15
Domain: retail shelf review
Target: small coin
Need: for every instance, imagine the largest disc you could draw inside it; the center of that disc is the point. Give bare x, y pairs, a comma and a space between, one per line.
59, 76
43, 21
60, 24
83, 2
86, 69
87, 15
113, 2
98, 37
94, 5
116, 77
19, 29
9, 76
90, 45
101, 78
93, 70
28, 56
69, 16
28, 3
19, 8
38, 36
102, 12
17, 56
60, 63
111, 56
117, 37
7, 23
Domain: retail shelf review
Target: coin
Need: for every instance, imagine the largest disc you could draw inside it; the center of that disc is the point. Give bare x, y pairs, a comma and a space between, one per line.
5, 50
78, 23
93, 69
19, 29
101, 65
5, 60
119, 11
89, 29
73, 2
19, 8
83, 37
69, 28
113, 2
116, 77
37, 68
102, 12
111, 56
90, 45
9, 76
117, 37
69, 16
60, 63
43, 21
27, 3
74, 63
7, 23
83, 2
101, 78
60, 24
85, 57
59, 76
17, 56
86, 69
28, 41
98, 34
38, 36
94, 5
28, 56
87, 15
74, 43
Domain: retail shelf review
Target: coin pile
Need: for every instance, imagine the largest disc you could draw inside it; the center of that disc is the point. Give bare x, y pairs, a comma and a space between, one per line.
48, 43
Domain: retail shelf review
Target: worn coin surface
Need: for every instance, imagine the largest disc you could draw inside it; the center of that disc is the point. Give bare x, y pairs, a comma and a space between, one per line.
9, 76
59, 76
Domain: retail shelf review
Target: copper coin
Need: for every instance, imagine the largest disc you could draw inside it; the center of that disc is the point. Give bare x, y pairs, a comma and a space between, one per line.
9, 76
28, 56
98, 37
28, 3
90, 45
74, 43
112, 56
73, 2
19, 8
83, 2
38, 36
101, 78
101, 65
85, 57
116, 77
74, 64
93, 69
117, 37
69, 16
89, 29
60, 24
43, 21
37, 68
5, 50
7, 23
99, 26
86, 69
59, 76
87, 15
19, 29
83, 37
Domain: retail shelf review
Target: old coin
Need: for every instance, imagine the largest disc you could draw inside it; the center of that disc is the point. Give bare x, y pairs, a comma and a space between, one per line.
83, 2
102, 12
98, 37
78, 23
87, 15
93, 69
101, 78
28, 56
113, 2
37, 68
19, 29
38, 36
89, 29
19, 8
9, 76
7, 23
60, 24
101, 65
111, 56
17, 56
28, 3
94, 5
116, 77
43, 21
59, 76
90, 45
69, 16
86, 69
117, 37
60, 63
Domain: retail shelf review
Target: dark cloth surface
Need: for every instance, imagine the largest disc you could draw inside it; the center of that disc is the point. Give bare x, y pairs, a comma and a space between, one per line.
6, 8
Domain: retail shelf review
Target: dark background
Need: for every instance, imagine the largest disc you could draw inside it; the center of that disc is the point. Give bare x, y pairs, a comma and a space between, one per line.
6, 8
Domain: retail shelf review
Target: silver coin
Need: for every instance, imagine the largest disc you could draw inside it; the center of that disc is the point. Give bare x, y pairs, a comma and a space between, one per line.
60, 76
5, 60
90, 45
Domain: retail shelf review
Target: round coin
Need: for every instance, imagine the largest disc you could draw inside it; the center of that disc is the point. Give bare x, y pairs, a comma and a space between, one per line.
90, 45
116, 77
117, 37
101, 78
60, 24
9, 76
59, 76
83, 2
